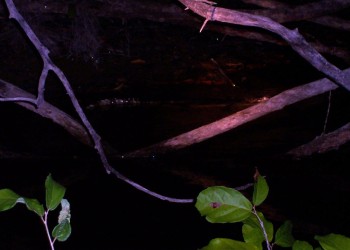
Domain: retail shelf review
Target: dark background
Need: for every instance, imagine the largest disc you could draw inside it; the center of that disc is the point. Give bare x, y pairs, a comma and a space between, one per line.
170, 66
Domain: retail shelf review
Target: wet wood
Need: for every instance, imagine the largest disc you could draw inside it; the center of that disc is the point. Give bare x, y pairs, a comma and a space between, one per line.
171, 12
323, 143
292, 37
46, 110
208, 131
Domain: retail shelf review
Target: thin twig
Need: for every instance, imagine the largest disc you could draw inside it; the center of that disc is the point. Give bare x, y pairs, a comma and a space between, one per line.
222, 73
328, 110
19, 99
262, 228
44, 220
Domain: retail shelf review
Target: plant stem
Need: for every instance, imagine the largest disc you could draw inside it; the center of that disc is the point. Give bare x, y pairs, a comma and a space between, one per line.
263, 229
44, 220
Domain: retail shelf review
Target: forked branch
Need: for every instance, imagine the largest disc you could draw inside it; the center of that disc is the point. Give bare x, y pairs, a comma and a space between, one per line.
49, 65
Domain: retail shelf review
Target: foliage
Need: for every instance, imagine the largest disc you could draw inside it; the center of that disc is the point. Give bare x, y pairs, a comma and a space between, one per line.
226, 205
54, 196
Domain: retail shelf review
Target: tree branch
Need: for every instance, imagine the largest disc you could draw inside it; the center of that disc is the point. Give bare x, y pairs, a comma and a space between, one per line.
323, 143
293, 37
49, 65
286, 13
225, 124
275, 6
128, 9
9, 92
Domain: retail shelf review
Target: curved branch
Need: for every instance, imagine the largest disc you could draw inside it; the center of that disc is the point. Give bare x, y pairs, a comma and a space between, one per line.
171, 13
49, 65
10, 92
293, 37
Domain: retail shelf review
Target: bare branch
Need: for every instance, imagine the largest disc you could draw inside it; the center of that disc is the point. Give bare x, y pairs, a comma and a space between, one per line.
293, 37
304, 11
49, 65
275, 6
10, 92
230, 122
323, 143
173, 14
19, 99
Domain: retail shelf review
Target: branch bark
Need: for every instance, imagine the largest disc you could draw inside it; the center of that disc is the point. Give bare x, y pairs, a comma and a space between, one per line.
210, 13
8, 92
323, 143
225, 124
293, 37
48, 65
283, 13
168, 12
275, 6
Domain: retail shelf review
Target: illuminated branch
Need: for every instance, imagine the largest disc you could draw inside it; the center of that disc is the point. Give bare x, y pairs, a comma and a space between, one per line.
235, 120
292, 37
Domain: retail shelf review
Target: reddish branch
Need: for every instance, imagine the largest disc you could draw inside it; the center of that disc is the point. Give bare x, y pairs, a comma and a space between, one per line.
11, 93
161, 12
324, 142
293, 37
225, 124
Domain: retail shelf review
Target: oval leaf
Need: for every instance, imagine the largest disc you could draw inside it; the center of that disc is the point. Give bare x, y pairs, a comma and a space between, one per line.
253, 235
8, 199
62, 231
223, 205
261, 190
228, 244
284, 237
301, 245
333, 242
35, 206
54, 193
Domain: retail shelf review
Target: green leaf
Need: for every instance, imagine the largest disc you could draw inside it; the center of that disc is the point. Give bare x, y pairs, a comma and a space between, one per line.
228, 244
253, 235
302, 245
35, 206
284, 237
54, 193
62, 231
223, 205
252, 232
261, 190
333, 242
8, 199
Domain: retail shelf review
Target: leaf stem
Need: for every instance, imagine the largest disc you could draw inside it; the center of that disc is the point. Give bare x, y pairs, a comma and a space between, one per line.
44, 220
262, 228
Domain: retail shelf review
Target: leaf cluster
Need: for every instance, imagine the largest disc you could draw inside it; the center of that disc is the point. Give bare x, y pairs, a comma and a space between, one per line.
53, 198
220, 204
